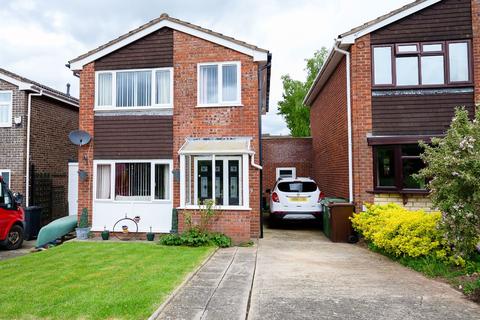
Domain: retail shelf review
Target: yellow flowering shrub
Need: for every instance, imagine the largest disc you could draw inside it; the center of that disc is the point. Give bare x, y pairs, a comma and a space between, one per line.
401, 232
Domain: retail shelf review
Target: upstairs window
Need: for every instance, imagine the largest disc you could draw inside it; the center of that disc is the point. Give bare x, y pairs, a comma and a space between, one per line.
421, 64
219, 84
5, 108
134, 88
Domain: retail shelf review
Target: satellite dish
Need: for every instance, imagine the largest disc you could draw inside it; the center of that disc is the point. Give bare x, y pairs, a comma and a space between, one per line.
79, 137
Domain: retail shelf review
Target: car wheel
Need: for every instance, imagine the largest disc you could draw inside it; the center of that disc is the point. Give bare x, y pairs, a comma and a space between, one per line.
14, 238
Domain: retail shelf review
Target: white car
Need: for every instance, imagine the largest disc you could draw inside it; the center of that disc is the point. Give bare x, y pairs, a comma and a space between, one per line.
296, 199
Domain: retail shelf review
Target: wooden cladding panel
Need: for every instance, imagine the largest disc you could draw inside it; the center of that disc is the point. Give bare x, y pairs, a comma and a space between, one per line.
133, 137
152, 51
418, 114
446, 20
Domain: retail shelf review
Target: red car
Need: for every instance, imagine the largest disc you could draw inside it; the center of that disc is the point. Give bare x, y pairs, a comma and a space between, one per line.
12, 218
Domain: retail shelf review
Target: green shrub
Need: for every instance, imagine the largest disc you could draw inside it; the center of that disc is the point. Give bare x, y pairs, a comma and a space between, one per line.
453, 170
401, 232
196, 238
220, 240
83, 223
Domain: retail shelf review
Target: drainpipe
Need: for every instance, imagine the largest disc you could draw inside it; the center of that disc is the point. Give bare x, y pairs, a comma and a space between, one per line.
29, 123
260, 153
349, 121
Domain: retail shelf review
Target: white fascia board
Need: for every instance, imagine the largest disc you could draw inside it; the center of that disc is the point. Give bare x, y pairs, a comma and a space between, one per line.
20, 84
350, 39
256, 54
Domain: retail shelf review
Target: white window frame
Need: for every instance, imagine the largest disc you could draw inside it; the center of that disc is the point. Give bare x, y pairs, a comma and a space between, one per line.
153, 92
221, 103
152, 184
243, 178
10, 110
293, 169
9, 175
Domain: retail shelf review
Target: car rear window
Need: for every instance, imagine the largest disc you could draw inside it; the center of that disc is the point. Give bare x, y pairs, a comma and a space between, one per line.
297, 186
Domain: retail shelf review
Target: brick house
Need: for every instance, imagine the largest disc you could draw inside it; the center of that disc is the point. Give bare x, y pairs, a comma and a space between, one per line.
174, 112
35, 121
386, 85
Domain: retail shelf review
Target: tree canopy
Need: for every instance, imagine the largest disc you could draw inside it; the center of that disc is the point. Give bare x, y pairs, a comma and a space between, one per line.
295, 113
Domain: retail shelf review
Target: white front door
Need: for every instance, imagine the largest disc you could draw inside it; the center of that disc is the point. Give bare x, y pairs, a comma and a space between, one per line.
73, 188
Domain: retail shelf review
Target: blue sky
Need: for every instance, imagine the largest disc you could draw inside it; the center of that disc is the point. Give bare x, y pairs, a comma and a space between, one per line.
38, 37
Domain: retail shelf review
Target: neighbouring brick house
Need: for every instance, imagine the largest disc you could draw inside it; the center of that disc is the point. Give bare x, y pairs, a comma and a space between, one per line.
53, 115
400, 77
174, 113
285, 156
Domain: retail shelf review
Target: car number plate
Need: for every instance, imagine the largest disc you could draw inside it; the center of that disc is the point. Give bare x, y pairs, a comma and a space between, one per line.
298, 199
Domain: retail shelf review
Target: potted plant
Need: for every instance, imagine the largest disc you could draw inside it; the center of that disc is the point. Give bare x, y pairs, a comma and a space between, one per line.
105, 233
150, 235
83, 229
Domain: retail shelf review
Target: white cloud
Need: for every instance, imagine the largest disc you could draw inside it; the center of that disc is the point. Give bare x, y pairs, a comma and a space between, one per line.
39, 37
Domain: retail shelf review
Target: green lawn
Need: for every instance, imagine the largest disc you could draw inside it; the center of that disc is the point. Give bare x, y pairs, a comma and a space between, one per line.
94, 280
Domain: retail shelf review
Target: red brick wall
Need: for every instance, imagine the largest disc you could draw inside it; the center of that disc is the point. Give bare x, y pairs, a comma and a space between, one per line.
328, 115
281, 152
85, 154
476, 47
190, 121
361, 120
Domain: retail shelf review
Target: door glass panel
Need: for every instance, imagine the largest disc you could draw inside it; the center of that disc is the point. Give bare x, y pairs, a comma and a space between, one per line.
219, 182
385, 167
234, 182
204, 181
162, 182
432, 70
407, 71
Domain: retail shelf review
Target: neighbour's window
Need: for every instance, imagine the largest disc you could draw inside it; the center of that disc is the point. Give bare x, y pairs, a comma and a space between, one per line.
138, 88
421, 64
219, 180
286, 173
219, 84
6, 176
396, 165
6, 108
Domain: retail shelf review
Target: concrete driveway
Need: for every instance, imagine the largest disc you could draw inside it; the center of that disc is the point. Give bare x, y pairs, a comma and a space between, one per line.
25, 249
302, 275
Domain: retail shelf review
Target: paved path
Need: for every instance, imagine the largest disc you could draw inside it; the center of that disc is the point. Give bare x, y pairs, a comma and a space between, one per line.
302, 275
220, 290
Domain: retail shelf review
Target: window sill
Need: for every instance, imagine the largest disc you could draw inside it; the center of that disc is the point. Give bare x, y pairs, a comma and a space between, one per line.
221, 208
117, 109
133, 201
221, 105
395, 191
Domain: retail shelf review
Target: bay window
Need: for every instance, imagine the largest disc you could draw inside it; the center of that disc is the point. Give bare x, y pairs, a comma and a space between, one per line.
219, 84
134, 88
6, 99
132, 181
421, 64
395, 167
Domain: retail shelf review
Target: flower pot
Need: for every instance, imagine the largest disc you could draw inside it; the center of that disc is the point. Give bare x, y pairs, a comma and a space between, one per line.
105, 235
82, 233
150, 236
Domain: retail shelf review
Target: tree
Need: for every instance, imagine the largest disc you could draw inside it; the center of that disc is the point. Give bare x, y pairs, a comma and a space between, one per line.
453, 167
295, 113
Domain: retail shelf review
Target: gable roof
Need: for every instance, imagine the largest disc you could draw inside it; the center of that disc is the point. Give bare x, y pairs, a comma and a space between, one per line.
165, 20
346, 39
27, 84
